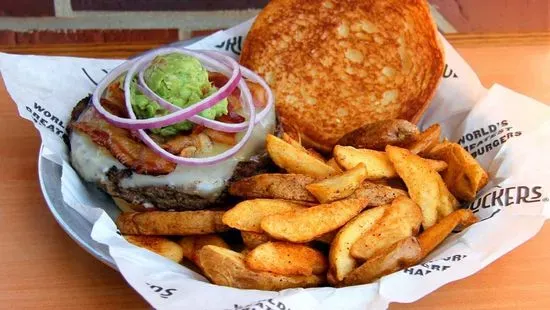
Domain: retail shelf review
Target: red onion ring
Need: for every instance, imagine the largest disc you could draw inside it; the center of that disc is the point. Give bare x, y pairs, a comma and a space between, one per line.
247, 96
197, 119
224, 65
228, 62
169, 119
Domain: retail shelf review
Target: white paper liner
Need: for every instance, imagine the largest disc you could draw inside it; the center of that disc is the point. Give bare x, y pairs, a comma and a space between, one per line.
507, 132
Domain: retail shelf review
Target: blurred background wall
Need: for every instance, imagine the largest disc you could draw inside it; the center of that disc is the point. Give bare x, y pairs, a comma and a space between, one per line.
98, 21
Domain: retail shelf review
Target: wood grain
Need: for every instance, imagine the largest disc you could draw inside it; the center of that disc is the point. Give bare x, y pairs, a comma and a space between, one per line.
113, 50
41, 267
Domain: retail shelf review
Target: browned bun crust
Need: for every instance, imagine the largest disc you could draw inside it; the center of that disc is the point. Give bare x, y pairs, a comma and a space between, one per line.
337, 65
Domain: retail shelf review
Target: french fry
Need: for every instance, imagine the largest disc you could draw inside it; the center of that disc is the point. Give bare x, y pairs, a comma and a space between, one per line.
331, 278
448, 202
245, 251
339, 186
254, 239
303, 203
159, 245
437, 165
188, 247
376, 135
327, 238
305, 225
226, 267
433, 236
401, 220
426, 140
288, 139
464, 176
377, 194
192, 244
248, 214
395, 183
341, 261
332, 162
315, 154
203, 240
286, 259
377, 163
182, 223
403, 254
291, 130
296, 160
274, 186
425, 185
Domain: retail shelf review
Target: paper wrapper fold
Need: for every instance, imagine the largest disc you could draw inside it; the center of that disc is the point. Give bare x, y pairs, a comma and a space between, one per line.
506, 132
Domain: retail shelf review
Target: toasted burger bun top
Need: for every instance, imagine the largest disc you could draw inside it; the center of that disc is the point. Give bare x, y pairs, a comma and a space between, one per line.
336, 65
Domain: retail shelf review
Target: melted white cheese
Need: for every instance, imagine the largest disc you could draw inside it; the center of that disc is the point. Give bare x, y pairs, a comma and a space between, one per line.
92, 162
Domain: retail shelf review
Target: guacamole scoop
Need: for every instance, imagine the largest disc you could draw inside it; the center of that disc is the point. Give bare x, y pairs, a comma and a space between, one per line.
181, 80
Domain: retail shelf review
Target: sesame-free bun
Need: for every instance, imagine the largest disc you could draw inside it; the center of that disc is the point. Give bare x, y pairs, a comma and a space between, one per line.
336, 65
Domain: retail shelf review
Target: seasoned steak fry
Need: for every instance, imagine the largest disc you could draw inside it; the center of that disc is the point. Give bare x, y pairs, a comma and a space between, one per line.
425, 185
171, 223
464, 177
426, 140
192, 244
401, 255
433, 236
286, 259
254, 239
379, 134
339, 186
275, 185
377, 194
400, 221
304, 225
159, 245
341, 261
378, 164
296, 160
247, 215
226, 267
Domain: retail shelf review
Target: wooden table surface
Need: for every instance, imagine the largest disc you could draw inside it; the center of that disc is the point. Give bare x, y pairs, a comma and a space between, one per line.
41, 267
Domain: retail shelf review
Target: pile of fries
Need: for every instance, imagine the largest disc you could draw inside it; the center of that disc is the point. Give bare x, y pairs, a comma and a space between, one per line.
348, 220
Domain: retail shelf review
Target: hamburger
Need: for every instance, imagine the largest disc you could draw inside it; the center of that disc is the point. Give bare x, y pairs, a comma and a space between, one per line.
335, 66
169, 130
181, 165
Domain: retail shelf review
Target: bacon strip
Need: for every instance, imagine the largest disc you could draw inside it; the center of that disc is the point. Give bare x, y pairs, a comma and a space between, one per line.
231, 117
259, 95
176, 144
131, 153
228, 138
115, 94
113, 107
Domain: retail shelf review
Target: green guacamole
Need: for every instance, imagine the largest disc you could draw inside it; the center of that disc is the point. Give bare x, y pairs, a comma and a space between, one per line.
181, 80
